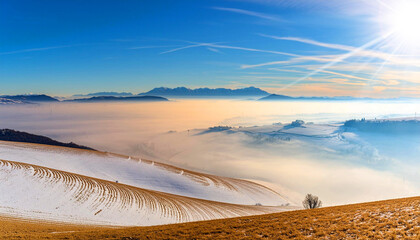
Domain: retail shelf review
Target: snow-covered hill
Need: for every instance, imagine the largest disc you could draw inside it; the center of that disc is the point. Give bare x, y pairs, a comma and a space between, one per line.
56, 183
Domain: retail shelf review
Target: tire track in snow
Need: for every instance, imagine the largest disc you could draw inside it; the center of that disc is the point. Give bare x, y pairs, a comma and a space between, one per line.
105, 198
207, 180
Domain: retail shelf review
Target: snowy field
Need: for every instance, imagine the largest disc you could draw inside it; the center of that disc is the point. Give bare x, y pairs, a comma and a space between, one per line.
82, 186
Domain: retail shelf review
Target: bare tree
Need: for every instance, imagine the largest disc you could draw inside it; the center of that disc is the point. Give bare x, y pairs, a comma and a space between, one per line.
311, 202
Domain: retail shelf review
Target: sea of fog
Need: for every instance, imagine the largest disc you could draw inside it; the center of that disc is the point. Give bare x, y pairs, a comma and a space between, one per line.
339, 168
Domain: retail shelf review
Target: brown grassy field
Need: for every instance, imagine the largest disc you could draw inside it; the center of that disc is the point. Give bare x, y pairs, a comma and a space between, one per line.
391, 219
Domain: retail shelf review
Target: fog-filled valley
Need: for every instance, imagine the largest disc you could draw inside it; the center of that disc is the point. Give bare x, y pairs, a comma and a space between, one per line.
249, 139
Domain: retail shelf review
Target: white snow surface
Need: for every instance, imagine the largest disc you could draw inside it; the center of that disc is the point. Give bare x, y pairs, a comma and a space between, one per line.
43, 182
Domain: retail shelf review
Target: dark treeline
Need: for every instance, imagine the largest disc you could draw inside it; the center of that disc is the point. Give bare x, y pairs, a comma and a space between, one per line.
385, 126
16, 136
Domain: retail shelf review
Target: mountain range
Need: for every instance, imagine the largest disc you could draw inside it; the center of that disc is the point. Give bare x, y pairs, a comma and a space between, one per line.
113, 94
205, 92
162, 93
29, 98
120, 99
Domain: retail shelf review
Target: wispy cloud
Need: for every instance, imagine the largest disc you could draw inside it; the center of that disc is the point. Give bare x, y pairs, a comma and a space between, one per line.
254, 50
292, 61
346, 81
189, 46
340, 59
35, 49
331, 60
249, 13
348, 71
149, 47
268, 64
406, 76
123, 40
350, 7
346, 75
218, 45
312, 42
286, 70
214, 50
361, 52
385, 69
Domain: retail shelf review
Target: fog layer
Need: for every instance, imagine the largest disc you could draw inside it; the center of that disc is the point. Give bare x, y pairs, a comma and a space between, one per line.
359, 168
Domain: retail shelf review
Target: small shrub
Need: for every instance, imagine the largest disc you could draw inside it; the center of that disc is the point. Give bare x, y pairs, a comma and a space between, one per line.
311, 202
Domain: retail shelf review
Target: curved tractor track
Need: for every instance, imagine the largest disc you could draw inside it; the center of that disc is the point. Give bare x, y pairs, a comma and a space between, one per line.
70, 197
142, 173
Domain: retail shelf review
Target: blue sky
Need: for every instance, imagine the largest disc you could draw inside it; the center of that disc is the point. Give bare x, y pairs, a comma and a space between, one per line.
295, 47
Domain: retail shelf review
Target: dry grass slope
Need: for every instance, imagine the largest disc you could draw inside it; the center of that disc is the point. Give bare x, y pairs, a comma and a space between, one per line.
391, 219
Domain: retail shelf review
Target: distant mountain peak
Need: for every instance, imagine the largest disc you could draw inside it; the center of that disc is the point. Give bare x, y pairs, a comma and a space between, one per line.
119, 99
205, 92
31, 98
276, 97
100, 94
